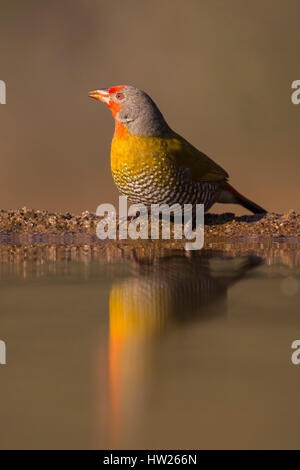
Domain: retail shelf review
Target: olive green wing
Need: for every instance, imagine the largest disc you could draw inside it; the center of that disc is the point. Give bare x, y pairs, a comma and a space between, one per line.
202, 168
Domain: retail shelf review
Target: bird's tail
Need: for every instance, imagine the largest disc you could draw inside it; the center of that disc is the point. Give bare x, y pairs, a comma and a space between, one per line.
230, 195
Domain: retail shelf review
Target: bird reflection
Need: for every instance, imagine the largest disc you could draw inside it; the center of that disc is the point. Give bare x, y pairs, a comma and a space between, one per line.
160, 296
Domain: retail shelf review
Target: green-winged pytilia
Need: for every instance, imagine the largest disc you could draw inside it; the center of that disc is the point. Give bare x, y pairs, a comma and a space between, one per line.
152, 164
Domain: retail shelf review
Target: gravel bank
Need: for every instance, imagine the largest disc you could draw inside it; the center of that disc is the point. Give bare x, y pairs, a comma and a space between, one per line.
225, 225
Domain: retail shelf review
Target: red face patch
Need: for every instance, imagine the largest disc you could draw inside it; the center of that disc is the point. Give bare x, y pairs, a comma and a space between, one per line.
113, 106
114, 89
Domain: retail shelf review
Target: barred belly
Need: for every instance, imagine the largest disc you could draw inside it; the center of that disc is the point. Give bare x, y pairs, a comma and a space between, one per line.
148, 188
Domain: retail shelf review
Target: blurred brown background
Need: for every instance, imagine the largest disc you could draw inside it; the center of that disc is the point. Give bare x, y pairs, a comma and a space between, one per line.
221, 73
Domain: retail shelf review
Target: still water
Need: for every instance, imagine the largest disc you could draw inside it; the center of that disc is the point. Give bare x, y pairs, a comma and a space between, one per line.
110, 348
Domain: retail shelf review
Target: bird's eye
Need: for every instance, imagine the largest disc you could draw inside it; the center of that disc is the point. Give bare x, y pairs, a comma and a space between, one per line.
119, 96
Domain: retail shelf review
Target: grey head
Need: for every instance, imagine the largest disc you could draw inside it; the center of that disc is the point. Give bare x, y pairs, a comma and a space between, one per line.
134, 109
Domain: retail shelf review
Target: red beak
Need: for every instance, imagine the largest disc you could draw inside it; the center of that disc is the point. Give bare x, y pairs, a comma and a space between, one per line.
101, 95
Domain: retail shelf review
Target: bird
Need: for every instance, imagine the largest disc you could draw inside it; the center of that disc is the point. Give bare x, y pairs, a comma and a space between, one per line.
152, 164
157, 298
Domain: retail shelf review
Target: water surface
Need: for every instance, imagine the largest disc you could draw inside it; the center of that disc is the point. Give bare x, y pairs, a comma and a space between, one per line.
110, 348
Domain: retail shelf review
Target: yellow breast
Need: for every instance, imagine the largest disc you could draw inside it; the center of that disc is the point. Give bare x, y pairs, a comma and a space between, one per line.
135, 152
136, 161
